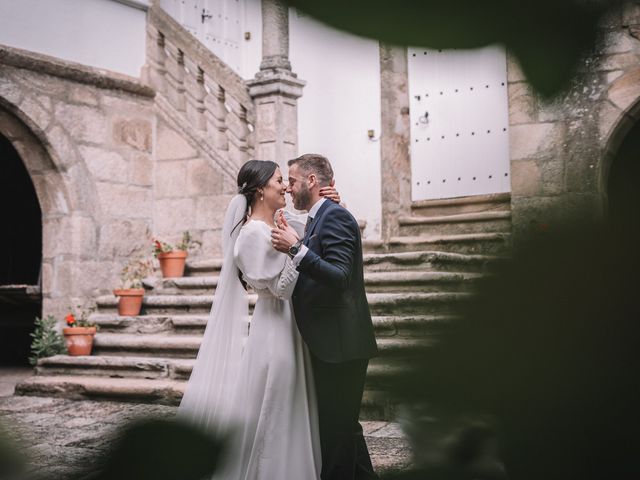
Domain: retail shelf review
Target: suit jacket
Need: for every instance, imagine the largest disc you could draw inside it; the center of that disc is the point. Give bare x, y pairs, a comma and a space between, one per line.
329, 299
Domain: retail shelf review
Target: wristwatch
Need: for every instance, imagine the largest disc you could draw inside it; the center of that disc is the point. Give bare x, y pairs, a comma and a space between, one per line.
295, 248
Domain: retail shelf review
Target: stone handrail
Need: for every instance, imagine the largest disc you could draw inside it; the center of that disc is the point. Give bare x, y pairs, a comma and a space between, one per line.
73, 71
202, 90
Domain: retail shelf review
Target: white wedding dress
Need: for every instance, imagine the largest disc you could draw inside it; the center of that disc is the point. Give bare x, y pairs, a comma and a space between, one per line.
263, 395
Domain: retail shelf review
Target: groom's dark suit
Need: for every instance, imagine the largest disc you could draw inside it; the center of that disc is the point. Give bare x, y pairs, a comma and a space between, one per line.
333, 317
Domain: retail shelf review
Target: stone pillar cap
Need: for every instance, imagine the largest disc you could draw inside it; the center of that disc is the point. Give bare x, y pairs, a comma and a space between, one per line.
270, 82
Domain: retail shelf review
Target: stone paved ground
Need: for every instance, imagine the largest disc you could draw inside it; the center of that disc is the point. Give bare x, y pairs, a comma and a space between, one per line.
58, 435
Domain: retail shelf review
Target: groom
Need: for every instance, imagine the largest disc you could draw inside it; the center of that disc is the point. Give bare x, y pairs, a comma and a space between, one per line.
332, 314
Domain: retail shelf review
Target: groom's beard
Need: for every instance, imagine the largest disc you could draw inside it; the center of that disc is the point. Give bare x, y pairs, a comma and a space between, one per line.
302, 200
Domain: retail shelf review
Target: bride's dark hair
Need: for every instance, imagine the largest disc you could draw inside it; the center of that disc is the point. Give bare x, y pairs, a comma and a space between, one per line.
253, 175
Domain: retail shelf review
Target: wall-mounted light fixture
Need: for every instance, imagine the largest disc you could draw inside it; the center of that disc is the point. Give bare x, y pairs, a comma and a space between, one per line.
372, 135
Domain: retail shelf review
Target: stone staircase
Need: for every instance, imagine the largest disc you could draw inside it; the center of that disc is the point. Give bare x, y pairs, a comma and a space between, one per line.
466, 225
414, 283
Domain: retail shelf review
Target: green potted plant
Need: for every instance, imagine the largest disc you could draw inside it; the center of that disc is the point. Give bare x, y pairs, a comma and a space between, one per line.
47, 342
79, 331
172, 258
131, 291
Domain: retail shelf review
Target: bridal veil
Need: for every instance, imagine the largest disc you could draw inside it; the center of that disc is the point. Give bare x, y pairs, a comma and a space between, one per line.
207, 401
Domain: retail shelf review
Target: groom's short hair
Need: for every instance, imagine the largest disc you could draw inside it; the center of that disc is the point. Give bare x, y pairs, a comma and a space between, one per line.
317, 164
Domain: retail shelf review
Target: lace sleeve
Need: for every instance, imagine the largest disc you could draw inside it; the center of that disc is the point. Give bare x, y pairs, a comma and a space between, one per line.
287, 280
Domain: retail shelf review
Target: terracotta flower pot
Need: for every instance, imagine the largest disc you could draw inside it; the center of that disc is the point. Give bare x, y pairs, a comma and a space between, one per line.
79, 340
130, 301
172, 263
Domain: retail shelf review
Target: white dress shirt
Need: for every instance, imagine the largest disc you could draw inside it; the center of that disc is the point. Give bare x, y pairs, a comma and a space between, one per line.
303, 248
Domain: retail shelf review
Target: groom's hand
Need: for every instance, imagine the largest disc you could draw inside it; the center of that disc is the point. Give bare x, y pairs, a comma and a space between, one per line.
284, 236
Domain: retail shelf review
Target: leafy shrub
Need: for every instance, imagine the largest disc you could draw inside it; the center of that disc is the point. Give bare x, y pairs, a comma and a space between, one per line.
46, 339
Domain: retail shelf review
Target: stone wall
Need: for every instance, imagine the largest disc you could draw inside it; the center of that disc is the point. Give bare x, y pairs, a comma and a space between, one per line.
189, 194
561, 149
395, 136
110, 170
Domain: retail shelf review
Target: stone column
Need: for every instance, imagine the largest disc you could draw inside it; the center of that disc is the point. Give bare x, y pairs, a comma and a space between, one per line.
395, 158
275, 89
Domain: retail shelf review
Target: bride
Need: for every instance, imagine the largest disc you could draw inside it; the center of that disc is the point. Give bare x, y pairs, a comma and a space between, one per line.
256, 388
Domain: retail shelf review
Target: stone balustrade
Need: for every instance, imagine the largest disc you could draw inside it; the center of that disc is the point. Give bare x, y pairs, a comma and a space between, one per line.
200, 89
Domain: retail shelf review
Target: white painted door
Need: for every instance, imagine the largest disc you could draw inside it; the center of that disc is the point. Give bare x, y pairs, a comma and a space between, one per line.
459, 122
192, 12
187, 13
218, 24
222, 30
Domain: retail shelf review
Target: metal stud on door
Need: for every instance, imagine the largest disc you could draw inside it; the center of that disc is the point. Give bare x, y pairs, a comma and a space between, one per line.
216, 23
459, 122
222, 31
191, 16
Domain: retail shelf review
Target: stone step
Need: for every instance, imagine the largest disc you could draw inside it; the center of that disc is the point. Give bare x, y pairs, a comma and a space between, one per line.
186, 346
190, 285
419, 326
172, 346
145, 324
395, 347
426, 260
472, 243
117, 366
390, 325
158, 304
380, 303
430, 261
84, 387
373, 246
460, 205
406, 281
166, 367
475, 222
166, 303
374, 282
195, 268
164, 391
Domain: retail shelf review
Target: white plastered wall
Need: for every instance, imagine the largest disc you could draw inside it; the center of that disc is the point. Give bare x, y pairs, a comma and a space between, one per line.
340, 103
106, 34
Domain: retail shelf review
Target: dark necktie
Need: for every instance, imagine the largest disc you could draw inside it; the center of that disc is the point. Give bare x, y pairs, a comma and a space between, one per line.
307, 225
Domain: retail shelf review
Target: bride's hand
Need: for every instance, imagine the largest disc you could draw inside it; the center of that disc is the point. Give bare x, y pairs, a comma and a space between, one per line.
284, 225
330, 192
284, 236
280, 220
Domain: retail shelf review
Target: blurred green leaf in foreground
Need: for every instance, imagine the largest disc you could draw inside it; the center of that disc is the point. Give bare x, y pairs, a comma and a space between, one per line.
12, 460
156, 449
540, 378
548, 37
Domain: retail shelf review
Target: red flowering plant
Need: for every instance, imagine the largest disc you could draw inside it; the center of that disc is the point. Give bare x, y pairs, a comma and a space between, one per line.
163, 247
71, 320
79, 317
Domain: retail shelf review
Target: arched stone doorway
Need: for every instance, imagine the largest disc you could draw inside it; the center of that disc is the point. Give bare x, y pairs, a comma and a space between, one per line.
623, 184
35, 212
21, 244
620, 164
